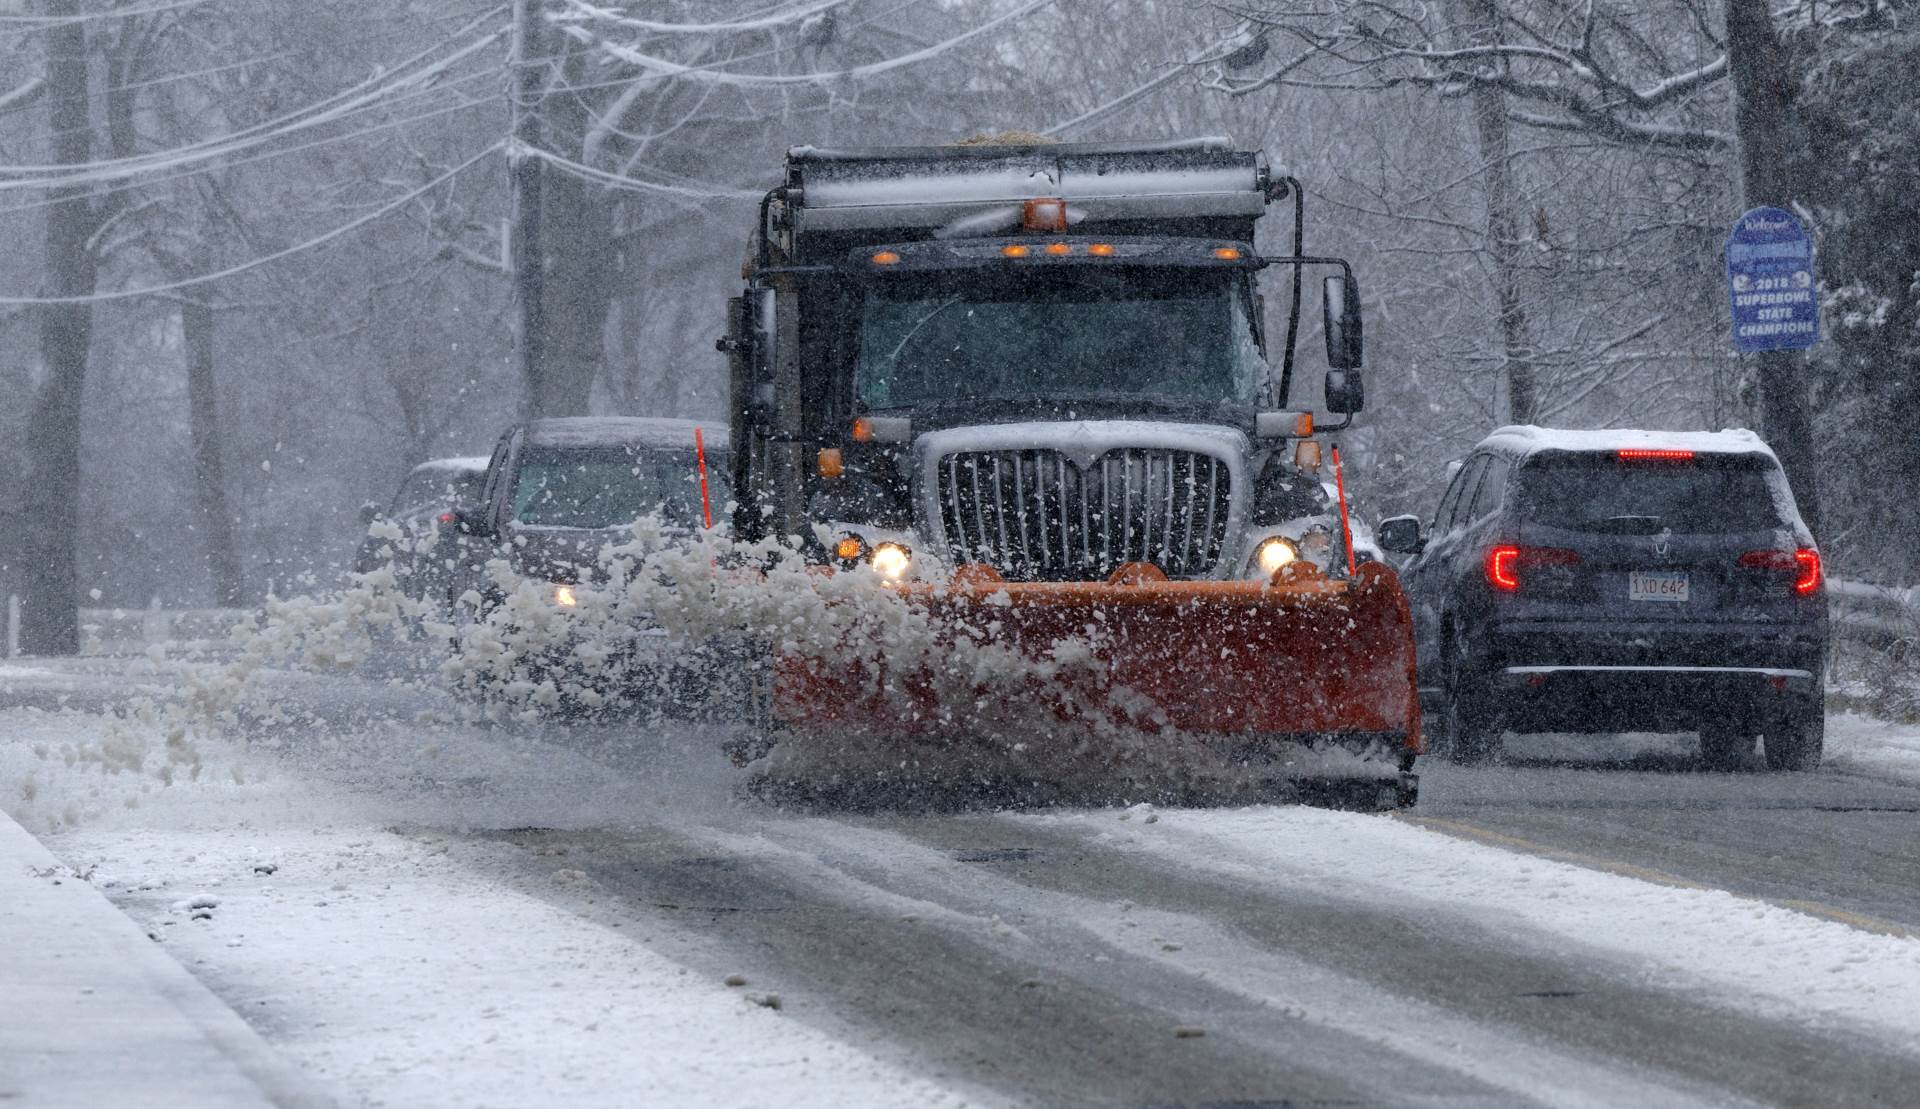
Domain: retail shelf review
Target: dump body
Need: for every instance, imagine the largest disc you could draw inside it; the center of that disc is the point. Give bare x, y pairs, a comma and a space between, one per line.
1026, 388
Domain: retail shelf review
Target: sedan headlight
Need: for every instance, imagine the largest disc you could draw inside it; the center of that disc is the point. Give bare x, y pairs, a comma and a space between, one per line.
1275, 553
563, 596
890, 560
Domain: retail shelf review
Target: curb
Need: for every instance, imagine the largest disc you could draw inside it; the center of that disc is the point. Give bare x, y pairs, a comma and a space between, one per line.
98, 1014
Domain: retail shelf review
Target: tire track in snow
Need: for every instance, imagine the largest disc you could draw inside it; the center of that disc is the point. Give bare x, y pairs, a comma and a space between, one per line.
1399, 1048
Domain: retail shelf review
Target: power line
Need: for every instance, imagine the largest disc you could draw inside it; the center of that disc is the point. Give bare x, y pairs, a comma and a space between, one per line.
263, 156
324, 111
592, 173
650, 26
318, 241
564, 86
670, 68
24, 24
244, 63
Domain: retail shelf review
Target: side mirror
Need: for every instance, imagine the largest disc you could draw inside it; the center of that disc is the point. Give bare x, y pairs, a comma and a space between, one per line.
472, 520
1340, 319
369, 512
1400, 534
1346, 393
1282, 425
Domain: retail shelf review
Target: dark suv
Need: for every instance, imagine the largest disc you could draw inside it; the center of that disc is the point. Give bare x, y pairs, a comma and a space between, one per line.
1612, 581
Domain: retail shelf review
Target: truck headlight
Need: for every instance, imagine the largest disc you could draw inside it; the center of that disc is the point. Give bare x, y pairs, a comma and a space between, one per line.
1275, 553
563, 596
890, 560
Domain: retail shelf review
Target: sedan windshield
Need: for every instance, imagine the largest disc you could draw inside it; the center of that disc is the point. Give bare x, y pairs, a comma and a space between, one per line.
613, 487
1176, 335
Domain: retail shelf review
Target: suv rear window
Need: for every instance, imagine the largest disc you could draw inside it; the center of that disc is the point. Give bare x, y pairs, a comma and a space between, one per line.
1603, 493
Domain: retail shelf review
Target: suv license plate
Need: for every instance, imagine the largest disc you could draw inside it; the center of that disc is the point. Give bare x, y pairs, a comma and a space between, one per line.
1643, 585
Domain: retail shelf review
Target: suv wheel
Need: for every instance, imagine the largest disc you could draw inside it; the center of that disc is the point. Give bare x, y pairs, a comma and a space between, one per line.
1473, 720
1796, 742
1725, 745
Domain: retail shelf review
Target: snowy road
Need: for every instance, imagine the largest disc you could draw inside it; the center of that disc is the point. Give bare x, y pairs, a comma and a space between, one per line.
463, 915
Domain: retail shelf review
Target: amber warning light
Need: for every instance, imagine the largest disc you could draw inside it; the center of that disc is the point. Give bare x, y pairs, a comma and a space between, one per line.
1044, 213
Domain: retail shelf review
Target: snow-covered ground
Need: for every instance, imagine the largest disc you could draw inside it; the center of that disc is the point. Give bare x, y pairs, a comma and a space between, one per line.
1760, 956
402, 967
355, 878
402, 973
1859, 742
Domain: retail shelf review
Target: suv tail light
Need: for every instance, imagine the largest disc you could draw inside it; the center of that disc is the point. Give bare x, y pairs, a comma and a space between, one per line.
1803, 564
1506, 564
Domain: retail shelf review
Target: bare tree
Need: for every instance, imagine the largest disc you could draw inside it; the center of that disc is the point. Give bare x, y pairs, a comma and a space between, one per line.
50, 616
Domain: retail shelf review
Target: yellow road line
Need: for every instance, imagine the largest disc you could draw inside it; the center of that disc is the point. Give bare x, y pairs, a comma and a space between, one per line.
1460, 830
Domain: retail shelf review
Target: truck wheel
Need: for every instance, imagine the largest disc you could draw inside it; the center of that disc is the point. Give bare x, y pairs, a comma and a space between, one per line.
1725, 745
1796, 743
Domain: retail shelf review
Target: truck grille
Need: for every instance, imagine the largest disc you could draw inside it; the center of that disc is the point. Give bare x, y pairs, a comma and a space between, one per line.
1033, 515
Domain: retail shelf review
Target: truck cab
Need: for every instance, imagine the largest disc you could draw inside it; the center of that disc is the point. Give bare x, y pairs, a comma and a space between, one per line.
1045, 362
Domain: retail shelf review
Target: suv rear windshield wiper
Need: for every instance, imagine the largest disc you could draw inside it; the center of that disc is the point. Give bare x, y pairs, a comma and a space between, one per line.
1623, 525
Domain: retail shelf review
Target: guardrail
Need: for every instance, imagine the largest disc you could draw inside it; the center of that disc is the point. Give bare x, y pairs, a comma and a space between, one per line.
1880, 615
112, 631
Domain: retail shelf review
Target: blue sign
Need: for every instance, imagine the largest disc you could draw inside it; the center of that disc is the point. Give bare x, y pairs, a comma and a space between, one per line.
1770, 281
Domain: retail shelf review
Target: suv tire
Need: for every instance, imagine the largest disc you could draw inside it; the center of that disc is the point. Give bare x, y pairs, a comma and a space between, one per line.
1796, 742
1473, 724
1725, 745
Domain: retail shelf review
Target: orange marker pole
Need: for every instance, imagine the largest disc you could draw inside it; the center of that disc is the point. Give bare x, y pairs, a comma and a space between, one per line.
1346, 527
700, 455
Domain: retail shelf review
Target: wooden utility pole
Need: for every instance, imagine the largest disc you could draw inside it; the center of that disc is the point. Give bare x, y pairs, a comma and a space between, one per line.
1482, 29
209, 474
1763, 115
50, 618
526, 169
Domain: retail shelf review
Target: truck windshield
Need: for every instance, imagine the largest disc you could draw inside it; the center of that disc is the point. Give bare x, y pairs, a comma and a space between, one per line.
612, 487
1174, 335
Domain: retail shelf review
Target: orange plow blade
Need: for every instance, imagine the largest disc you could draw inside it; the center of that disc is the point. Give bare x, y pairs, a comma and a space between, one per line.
1251, 668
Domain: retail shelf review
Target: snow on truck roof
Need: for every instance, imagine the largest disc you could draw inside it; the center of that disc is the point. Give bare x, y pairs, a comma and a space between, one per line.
931, 186
1215, 143
652, 432
1527, 439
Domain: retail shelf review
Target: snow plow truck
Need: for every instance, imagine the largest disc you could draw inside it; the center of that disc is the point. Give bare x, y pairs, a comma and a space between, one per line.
1027, 387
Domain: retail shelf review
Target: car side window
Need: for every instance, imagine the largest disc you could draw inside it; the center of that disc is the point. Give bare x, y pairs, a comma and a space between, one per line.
1493, 480
1447, 501
1468, 481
